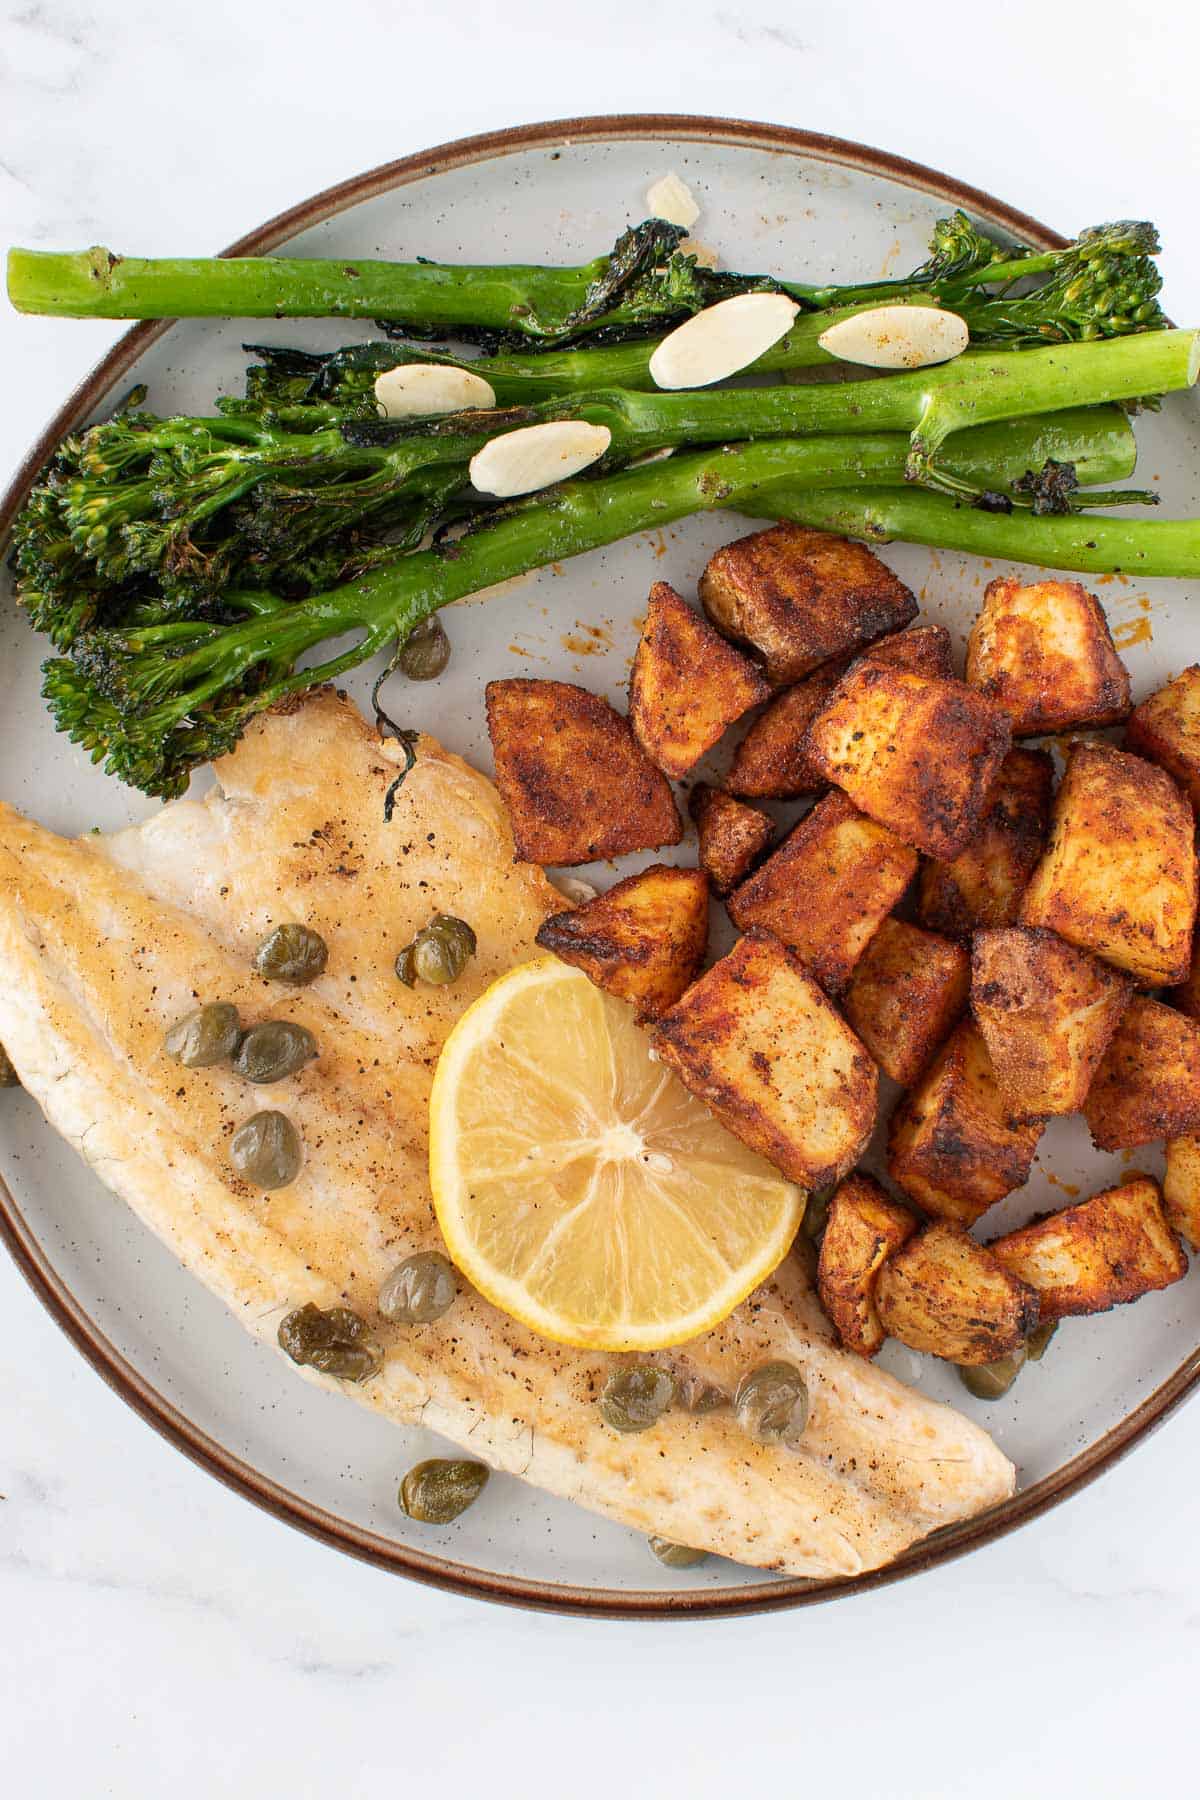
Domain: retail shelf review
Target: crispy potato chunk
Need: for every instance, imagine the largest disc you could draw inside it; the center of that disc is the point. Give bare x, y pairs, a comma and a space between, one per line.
643, 940
951, 1142
1166, 728
1043, 650
984, 884
1103, 1252
1119, 874
1046, 1012
758, 1042
1181, 1188
576, 783
798, 597
827, 887
771, 762
732, 835
862, 1230
945, 1294
1148, 1083
924, 650
688, 685
917, 753
905, 995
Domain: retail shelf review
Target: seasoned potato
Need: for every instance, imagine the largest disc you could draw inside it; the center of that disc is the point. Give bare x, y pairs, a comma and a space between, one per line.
756, 1039
771, 762
1148, 1083
917, 753
1042, 649
951, 1144
862, 1230
945, 1294
687, 684
923, 650
1181, 1188
905, 994
1119, 874
826, 888
576, 783
1103, 1252
643, 940
798, 597
1046, 1012
732, 835
984, 884
1166, 728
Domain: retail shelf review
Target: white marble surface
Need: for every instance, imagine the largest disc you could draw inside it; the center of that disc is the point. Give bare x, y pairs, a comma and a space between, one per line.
157, 1634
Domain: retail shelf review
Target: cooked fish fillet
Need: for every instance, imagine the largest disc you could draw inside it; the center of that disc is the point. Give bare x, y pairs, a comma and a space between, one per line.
105, 941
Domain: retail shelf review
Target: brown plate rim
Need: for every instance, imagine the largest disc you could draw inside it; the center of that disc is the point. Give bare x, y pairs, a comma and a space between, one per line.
103, 1355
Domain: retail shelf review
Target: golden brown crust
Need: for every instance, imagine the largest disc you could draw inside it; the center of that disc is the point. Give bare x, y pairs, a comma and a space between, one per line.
1181, 1188
984, 884
798, 597
759, 1042
826, 889
1166, 728
862, 1230
1104, 1252
576, 783
643, 940
688, 685
905, 995
732, 835
771, 762
945, 1294
1148, 1084
922, 650
1043, 650
917, 753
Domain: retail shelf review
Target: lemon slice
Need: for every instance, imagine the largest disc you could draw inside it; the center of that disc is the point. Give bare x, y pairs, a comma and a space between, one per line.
578, 1184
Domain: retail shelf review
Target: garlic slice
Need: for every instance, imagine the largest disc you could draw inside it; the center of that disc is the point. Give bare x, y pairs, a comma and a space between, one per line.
897, 337
721, 340
672, 199
536, 456
419, 390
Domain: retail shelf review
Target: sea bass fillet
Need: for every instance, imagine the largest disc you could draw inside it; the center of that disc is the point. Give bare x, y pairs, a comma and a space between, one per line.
104, 942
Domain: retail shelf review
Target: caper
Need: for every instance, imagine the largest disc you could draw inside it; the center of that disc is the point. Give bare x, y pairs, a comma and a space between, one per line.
209, 1035
771, 1403
426, 651
1038, 1342
335, 1341
696, 1395
675, 1556
292, 953
266, 1150
816, 1214
439, 953
636, 1398
439, 1490
419, 1290
273, 1050
989, 1381
8, 1075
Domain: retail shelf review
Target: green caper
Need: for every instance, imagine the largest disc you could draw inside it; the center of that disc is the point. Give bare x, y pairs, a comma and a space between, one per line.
334, 1340
636, 1398
209, 1035
771, 1403
696, 1395
8, 1075
292, 953
426, 651
989, 1381
273, 1050
1038, 1342
266, 1150
675, 1556
419, 1290
439, 953
439, 1490
816, 1214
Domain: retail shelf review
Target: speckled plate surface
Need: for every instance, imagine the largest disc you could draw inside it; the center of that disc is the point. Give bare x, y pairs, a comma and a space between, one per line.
772, 199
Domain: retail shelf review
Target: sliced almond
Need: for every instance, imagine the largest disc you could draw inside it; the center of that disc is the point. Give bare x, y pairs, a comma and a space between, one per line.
897, 337
721, 340
672, 199
536, 456
419, 390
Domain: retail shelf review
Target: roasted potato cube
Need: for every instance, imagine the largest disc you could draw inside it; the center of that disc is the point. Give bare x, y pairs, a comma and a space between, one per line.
951, 1143
643, 940
1118, 876
1181, 1188
771, 762
826, 889
576, 783
732, 835
923, 650
1046, 1012
905, 995
862, 1230
1166, 728
1102, 1252
798, 597
984, 884
917, 753
688, 685
943, 1293
1148, 1083
1042, 649
756, 1039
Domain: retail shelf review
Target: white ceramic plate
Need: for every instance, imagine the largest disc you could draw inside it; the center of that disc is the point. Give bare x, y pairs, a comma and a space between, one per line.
774, 200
